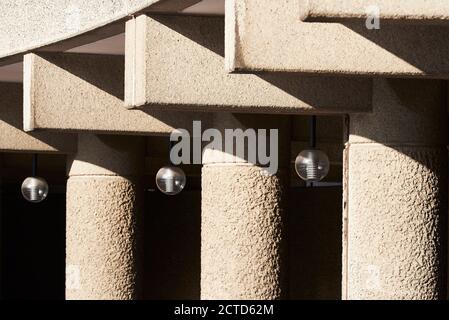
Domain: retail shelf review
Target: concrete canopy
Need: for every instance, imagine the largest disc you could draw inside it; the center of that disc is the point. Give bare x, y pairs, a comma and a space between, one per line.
177, 62
329, 48
84, 92
48, 24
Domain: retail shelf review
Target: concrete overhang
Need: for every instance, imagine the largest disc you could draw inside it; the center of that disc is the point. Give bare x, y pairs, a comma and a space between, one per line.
14, 139
268, 36
74, 92
177, 62
46, 25
400, 11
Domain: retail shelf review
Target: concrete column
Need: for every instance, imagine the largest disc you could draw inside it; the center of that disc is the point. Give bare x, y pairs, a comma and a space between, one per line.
104, 220
396, 191
243, 226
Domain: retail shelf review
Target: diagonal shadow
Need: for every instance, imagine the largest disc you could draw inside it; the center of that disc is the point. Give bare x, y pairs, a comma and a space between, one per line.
11, 106
106, 72
423, 46
209, 32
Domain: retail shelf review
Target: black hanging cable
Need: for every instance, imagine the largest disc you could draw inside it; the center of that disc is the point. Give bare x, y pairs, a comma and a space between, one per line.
34, 165
312, 137
312, 131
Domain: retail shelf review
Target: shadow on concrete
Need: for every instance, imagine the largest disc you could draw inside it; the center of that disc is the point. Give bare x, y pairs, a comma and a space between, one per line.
405, 48
209, 32
11, 113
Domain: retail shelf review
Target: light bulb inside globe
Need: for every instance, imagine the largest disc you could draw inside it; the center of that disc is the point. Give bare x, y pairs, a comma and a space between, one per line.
170, 180
312, 165
34, 189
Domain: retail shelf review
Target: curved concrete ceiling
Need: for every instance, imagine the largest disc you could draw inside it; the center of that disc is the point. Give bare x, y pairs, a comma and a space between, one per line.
11, 70
62, 25
11, 73
207, 7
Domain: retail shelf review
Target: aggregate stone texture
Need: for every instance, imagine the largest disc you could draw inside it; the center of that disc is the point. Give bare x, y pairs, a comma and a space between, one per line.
417, 11
397, 222
266, 35
84, 92
242, 233
178, 62
12, 136
396, 192
30, 24
104, 218
102, 238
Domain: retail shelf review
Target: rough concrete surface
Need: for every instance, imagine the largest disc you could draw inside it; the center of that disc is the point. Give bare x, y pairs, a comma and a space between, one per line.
420, 11
30, 24
84, 92
397, 208
107, 155
397, 194
104, 219
177, 62
242, 233
13, 138
255, 34
243, 227
102, 238
404, 111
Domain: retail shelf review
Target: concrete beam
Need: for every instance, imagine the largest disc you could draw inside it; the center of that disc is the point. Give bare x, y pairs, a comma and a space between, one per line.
177, 62
14, 139
418, 11
83, 92
265, 35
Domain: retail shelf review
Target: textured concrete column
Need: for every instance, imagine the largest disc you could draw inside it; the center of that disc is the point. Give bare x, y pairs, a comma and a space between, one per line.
243, 221
396, 210
103, 218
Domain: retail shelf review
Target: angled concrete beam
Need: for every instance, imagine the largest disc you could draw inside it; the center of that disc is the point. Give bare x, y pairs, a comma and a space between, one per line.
265, 35
14, 139
83, 92
418, 11
178, 61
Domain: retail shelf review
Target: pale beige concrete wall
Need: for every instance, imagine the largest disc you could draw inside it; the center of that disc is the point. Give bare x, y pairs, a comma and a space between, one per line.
104, 218
243, 227
255, 34
397, 194
13, 138
84, 92
419, 11
177, 62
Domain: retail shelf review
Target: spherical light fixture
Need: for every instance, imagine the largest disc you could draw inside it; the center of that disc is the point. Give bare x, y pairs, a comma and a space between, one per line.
34, 189
312, 165
170, 180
